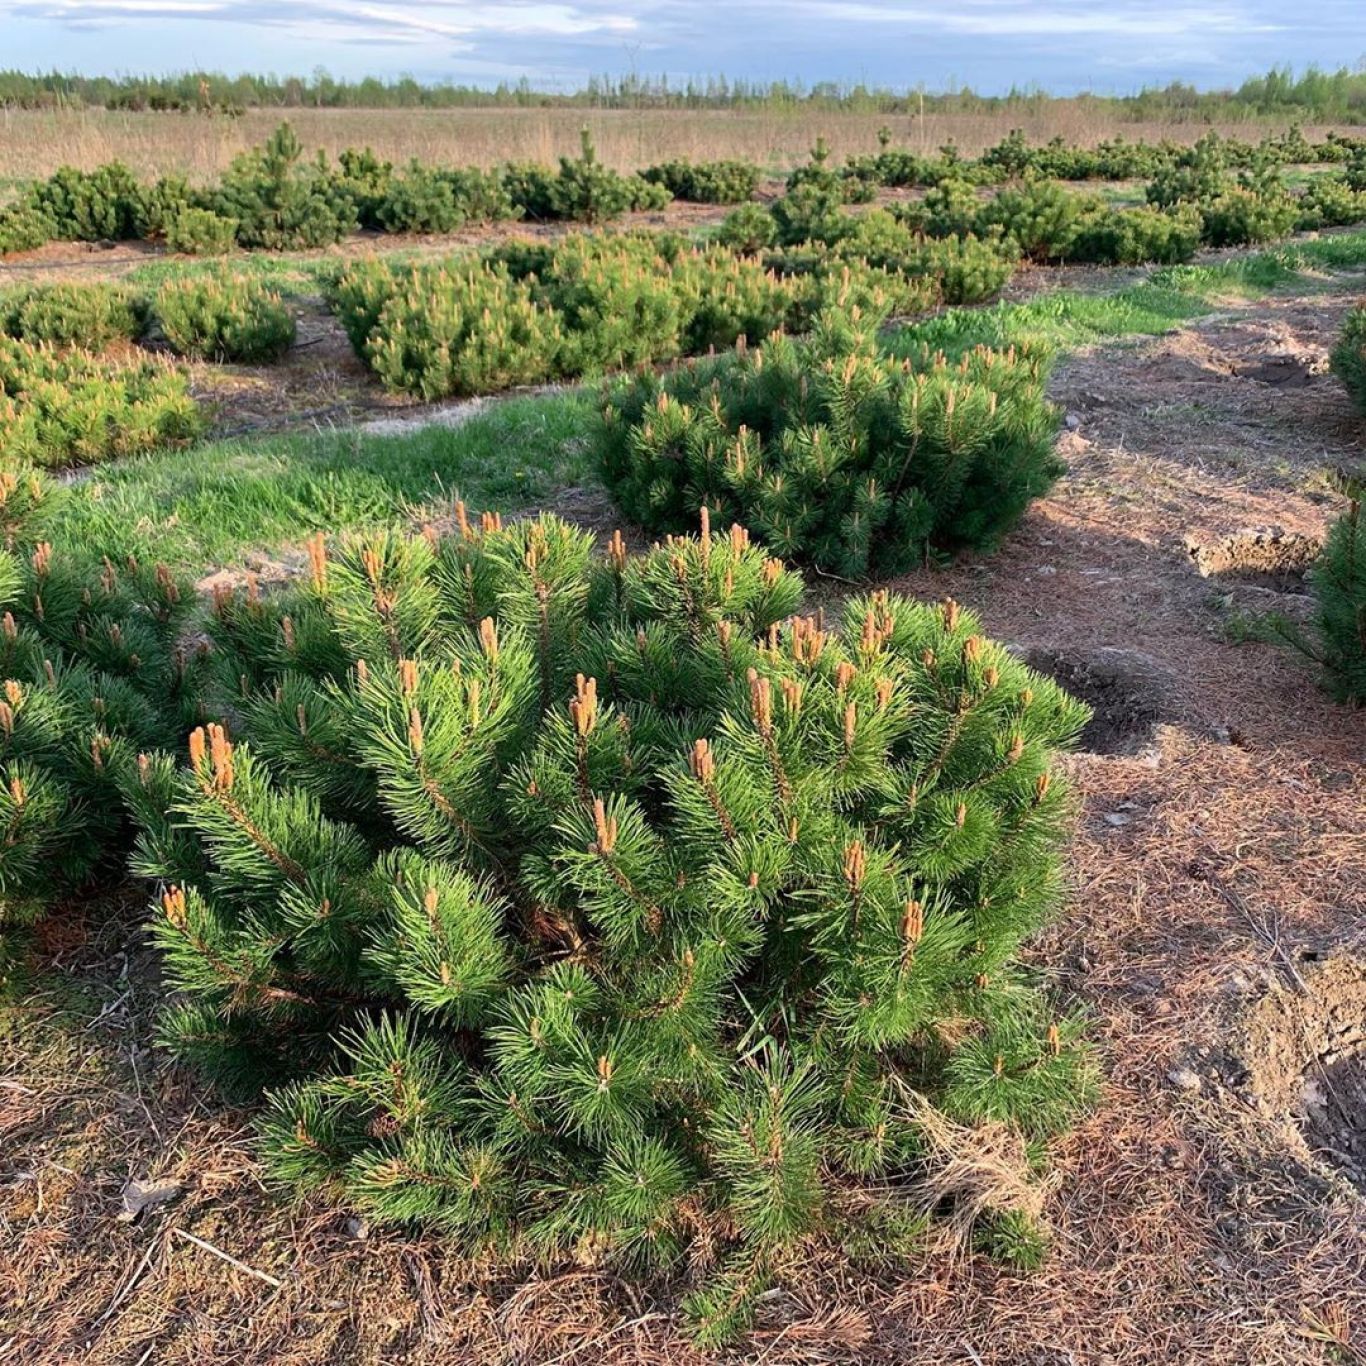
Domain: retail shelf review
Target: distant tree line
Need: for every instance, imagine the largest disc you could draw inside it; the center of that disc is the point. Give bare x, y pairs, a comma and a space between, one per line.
1316, 95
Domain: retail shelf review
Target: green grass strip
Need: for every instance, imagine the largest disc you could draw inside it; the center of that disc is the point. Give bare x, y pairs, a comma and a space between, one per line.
214, 503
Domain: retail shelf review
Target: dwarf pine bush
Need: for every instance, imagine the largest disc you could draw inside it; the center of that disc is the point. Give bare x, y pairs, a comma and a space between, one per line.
89, 316
749, 229
24, 227
1339, 583
833, 453
224, 318
70, 407
706, 182
105, 204
282, 202
92, 673
1348, 358
201, 232
603, 907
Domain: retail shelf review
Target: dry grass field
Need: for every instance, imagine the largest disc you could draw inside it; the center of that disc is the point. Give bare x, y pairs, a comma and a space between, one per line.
36, 142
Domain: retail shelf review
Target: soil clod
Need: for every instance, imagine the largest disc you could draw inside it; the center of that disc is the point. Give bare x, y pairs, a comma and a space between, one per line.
1124, 689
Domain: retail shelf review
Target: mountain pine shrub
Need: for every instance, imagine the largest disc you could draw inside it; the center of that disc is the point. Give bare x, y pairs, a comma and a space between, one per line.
1335, 638
1348, 358
24, 227
749, 229
282, 202
440, 200
706, 182
603, 907
231, 318
1131, 237
201, 232
834, 454
60, 408
89, 316
103, 205
92, 674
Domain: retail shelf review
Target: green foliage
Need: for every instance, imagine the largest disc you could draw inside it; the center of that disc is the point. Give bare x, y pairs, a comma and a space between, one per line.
448, 330
437, 200
224, 318
1040, 218
1131, 237
1013, 1238
281, 202
1339, 583
832, 453
575, 903
92, 673
89, 316
201, 232
530, 312
61, 408
1348, 358
706, 182
105, 204
749, 229
24, 227
811, 211
584, 190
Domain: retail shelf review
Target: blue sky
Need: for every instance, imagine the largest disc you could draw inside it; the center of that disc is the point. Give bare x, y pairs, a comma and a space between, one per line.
1062, 45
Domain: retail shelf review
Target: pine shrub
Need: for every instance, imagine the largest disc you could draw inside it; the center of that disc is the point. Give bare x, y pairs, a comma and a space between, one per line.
89, 316
1348, 358
1339, 583
60, 408
24, 227
229, 318
282, 202
749, 230
1131, 237
201, 232
834, 454
105, 204
1040, 218
452, 331
605, 909
706, 182
92, 674
437, 200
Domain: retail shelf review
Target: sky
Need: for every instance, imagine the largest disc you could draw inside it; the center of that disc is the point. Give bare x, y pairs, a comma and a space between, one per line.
1111, 46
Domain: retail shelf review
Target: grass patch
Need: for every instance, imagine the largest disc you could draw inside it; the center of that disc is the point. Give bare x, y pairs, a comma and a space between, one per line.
1170, 296
209, 506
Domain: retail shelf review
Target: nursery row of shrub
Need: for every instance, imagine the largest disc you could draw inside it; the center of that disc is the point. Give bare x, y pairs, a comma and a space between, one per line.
218, 317
529, 312
1013, 158
1200, 201
274, 198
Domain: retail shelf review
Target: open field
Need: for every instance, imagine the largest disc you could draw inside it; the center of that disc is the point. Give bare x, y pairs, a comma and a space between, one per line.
35, 143
1214, 922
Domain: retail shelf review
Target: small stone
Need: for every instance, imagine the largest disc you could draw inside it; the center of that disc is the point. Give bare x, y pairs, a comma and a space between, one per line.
1117, 818
357, 1228
1072, 421
1046, 571
1184, 1079
141, 1196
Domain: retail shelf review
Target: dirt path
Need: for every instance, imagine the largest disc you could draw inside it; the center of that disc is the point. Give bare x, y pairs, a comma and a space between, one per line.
1205, 1212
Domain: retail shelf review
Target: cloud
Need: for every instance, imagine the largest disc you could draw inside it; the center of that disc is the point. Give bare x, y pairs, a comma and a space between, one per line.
1006, 20
376, 21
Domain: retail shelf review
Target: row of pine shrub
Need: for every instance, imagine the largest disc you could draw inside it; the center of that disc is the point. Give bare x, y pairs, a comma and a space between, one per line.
273, 197
220, 317
532, 312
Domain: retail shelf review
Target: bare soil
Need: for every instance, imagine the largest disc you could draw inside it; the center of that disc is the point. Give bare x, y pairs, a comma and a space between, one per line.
1205, 1213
